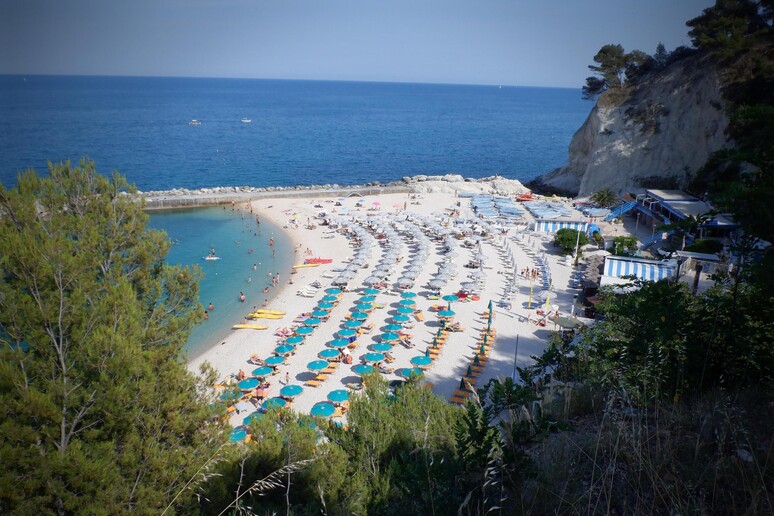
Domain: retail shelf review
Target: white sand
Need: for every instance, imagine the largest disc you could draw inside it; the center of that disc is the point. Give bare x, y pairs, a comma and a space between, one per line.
446, 371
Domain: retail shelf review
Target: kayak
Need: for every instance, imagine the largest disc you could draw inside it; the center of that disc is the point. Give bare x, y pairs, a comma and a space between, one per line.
318, 260
265, 316
249, 327
301, 266
270, 312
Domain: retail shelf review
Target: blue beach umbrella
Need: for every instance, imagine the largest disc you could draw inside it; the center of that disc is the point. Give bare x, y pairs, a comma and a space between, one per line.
285, 349
324, 305
366, 299
339, 343
329, 353
338, 395
373, 357
312, 321
410, 371
329, 299
450, 298
323, 409
254, 416
421, 361
346, 333
362, 369
353, 324
319, 313
407, 302
408, 295
371, 291
400, 318
381, 347
317, 365
389, 336
262, 371
333, 291
274, 403
359, 316
304, 330
291, 391
405, 310
446, 313
274, 361
248, 384
364, 307
231, 395
237, 434
294, 340
393, 327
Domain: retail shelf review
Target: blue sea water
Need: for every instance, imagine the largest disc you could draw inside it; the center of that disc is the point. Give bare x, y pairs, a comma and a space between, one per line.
301, 132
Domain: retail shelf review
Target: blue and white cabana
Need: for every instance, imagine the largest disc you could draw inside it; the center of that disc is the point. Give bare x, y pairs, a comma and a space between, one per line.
648, 270
552, 226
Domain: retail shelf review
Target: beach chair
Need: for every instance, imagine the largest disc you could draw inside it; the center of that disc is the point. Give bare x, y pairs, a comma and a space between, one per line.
419, 316
313, 383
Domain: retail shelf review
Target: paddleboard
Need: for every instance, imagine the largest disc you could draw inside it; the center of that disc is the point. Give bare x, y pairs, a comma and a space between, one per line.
270, 312
302, 265
208, 258
265, 316
249, 327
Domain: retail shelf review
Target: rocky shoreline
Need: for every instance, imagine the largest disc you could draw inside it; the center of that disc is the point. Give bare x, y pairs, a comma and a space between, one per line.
449, 183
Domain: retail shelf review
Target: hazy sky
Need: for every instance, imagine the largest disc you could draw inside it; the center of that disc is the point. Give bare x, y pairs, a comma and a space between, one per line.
513, 42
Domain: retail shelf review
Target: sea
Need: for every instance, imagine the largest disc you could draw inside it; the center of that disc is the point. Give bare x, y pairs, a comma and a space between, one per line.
261, 133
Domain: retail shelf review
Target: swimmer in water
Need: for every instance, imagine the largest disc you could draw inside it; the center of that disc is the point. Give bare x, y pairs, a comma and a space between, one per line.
211, 307
242, 297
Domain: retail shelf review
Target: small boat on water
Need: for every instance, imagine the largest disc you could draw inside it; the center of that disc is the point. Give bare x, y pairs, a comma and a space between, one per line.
246, 120
194, 122
210, 257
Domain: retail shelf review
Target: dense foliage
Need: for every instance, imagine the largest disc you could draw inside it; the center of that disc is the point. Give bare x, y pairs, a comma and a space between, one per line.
570, 239
99, 415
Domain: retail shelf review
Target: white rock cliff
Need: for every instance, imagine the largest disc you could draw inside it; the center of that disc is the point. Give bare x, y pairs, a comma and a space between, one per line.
664, 132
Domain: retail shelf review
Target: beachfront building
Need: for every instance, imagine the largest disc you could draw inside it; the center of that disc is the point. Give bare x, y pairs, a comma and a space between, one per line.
619, 269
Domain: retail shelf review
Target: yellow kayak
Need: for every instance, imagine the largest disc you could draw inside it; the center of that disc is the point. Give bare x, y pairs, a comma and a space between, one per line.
249, 327
270, 312
265, 316
303, 265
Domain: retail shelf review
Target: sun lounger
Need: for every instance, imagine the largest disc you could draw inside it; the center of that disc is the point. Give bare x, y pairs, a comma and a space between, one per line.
419, 316
313, 383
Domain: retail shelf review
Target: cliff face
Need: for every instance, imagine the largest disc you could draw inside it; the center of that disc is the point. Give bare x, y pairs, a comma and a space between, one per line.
663, 132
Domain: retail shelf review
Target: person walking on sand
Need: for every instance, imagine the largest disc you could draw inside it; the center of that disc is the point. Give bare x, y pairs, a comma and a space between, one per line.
287, 378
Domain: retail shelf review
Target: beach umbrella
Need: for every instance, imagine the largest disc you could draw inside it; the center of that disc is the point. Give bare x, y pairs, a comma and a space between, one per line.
469, 371
262, 371
446, 313
371, 291
231, 395
408, 295
317, 365
295, 340
274, 403
462, 384
436, 283
254, 416
405, 310
407, 372
381, 347
362, 369
439, 333
339, 343
389, 336
353, 324
393, 327
291, 391
373, 357
476, 360
248, 384
322, 409
237, 434
340, 280
482, 349
329, 298
338, 395
328, 353
304, 330
427, 352
400, 318
450, 298
319, 313
364, 307
435, 342
346, 333
359, 316
284, 349
490, 306
367, 299
421, 361
333, 291
312, 321
274, 361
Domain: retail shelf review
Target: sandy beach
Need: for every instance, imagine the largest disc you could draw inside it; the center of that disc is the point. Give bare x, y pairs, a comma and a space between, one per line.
510, 248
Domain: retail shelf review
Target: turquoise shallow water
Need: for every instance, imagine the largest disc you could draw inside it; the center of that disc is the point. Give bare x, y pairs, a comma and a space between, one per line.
232, 234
